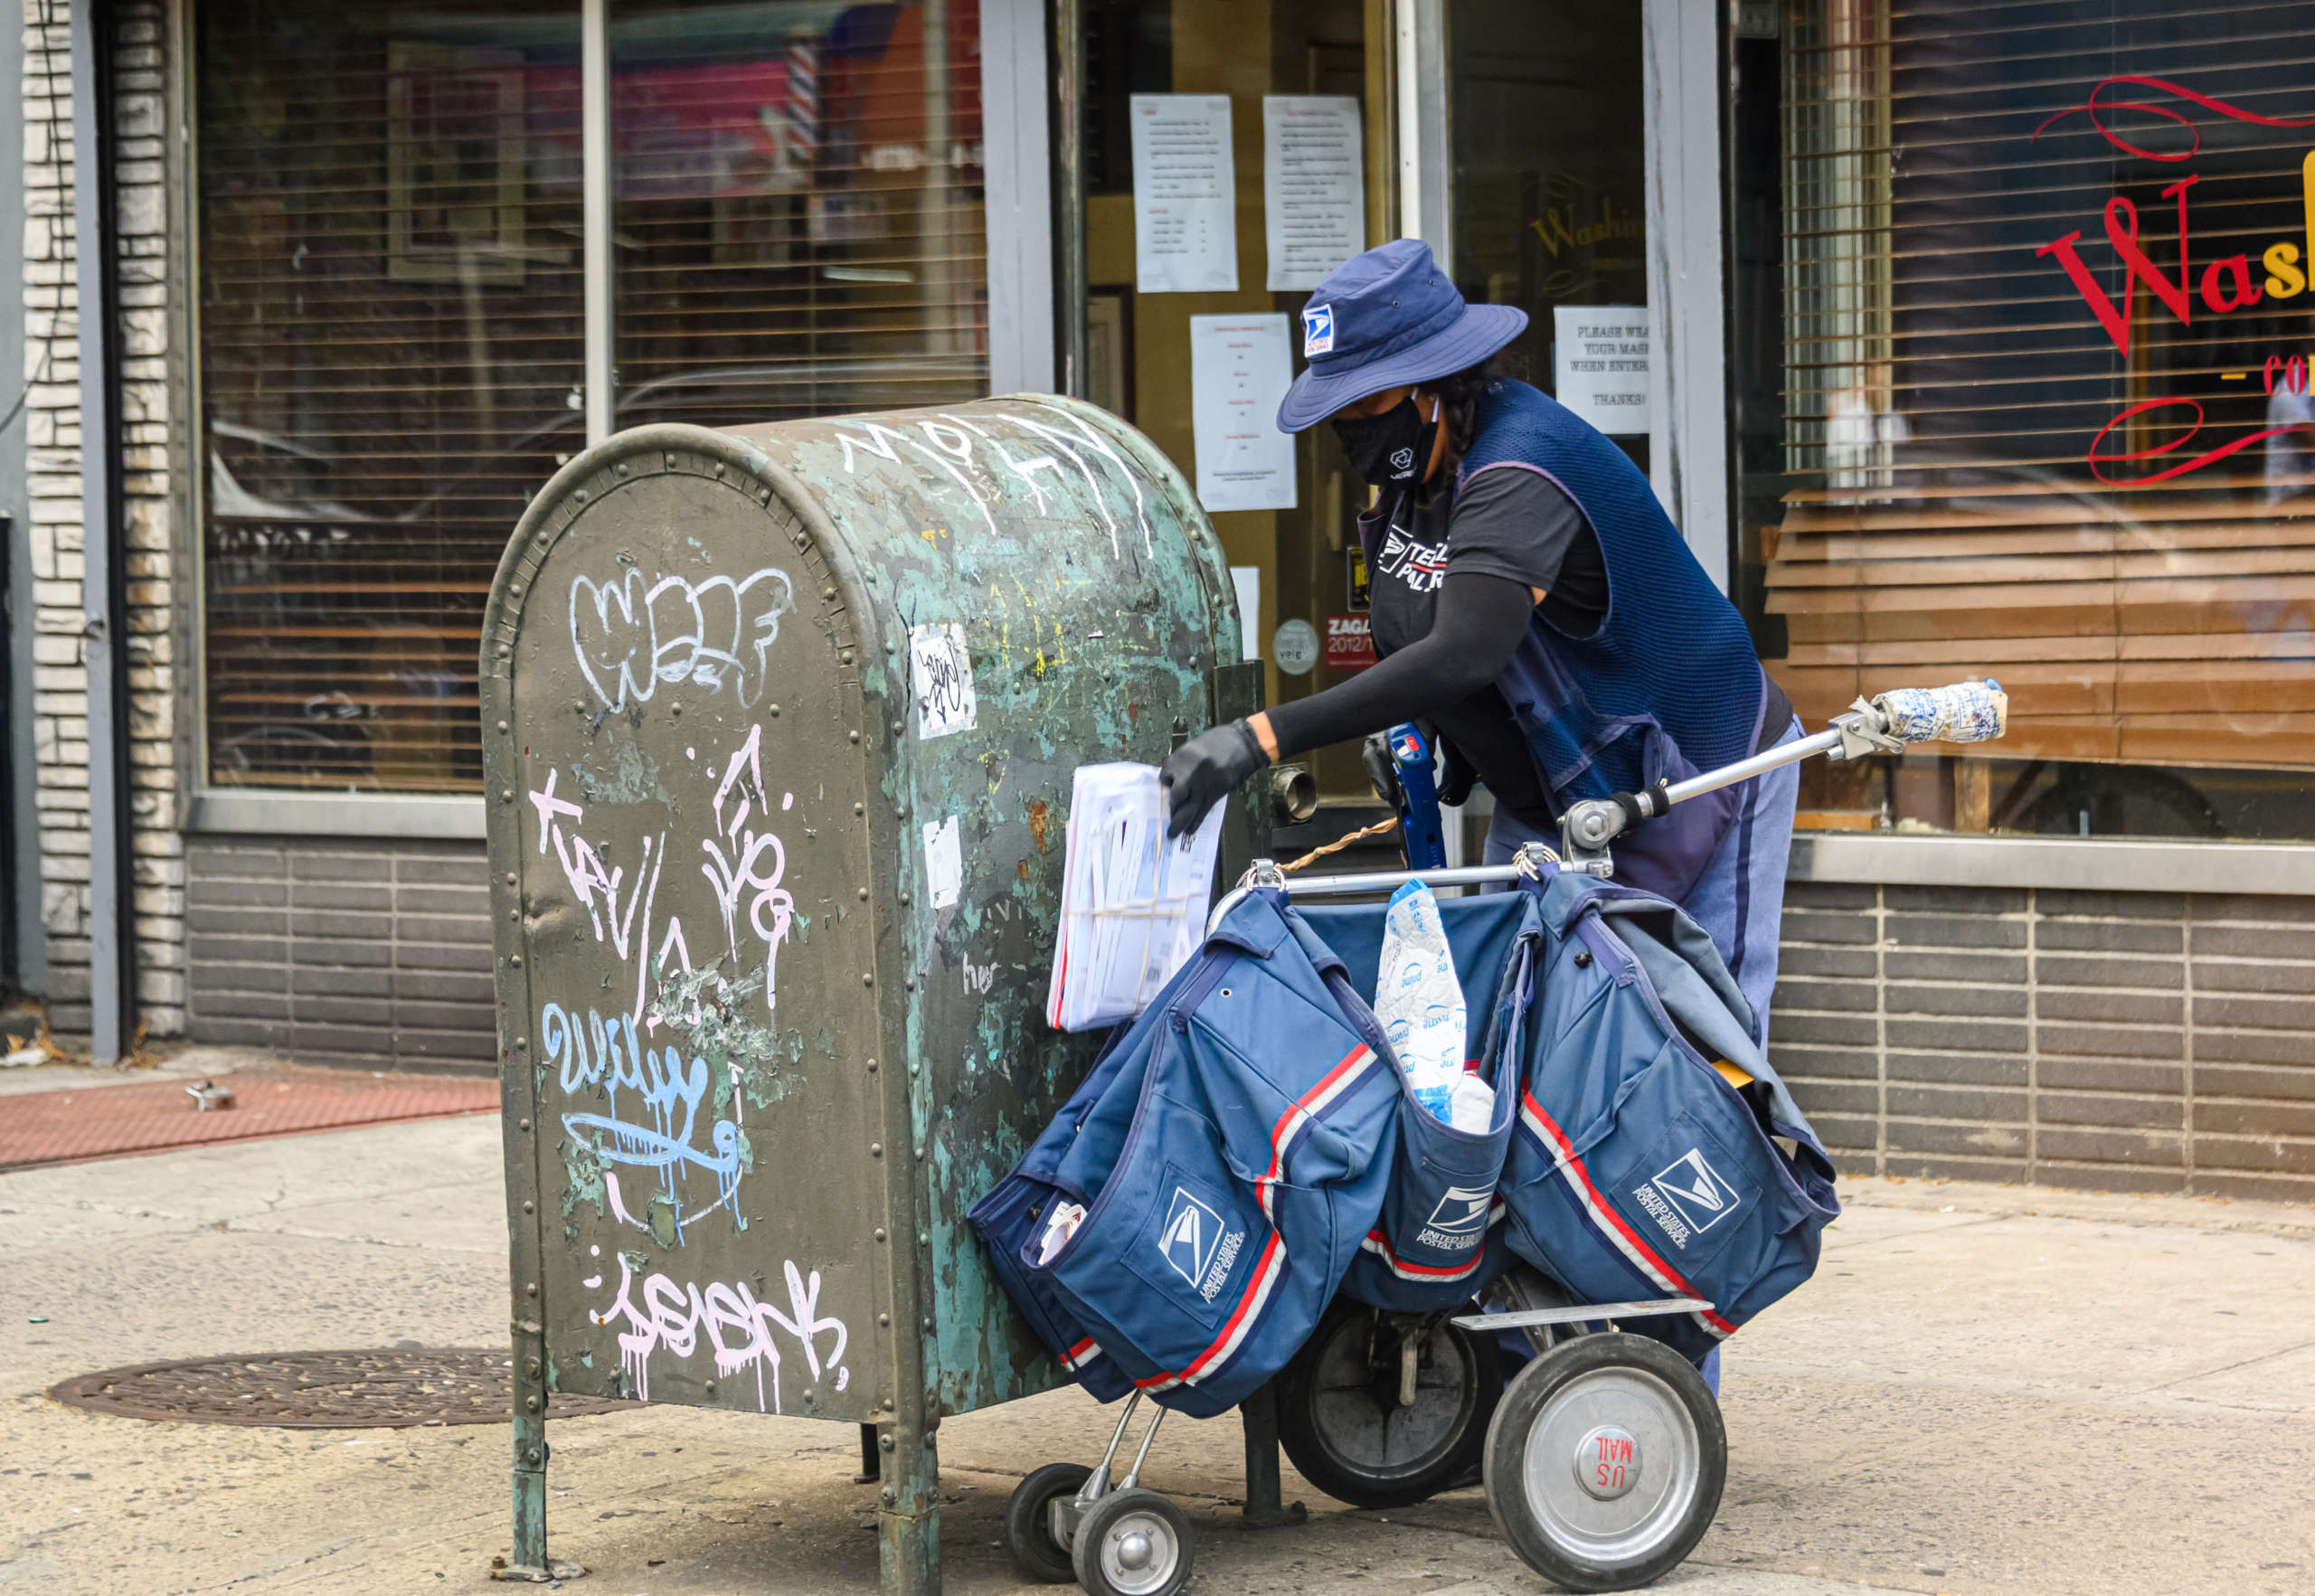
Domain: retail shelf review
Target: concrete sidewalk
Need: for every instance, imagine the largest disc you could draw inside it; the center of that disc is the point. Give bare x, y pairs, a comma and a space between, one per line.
1984, 1389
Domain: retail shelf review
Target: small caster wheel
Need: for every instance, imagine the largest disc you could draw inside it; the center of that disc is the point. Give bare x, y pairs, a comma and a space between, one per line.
1029, 1534
1605, 1462
1133, 1543
1343, 1421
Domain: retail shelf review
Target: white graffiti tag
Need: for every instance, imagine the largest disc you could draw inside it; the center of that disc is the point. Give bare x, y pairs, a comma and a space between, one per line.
949, 444
737, 1330
582, 867
632, 633
753, 867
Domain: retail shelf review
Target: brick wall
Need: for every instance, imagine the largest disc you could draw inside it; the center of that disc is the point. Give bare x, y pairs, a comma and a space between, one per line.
53, 547
2128, 1041
327, 949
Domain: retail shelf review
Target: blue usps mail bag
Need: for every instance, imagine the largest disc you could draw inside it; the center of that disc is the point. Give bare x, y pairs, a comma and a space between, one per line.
1439, 1239
1638, 1169
1232, 1151
1011, 1220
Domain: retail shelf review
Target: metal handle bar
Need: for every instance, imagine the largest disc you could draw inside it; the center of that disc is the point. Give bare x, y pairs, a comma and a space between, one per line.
1967, 711
1265, 873
1581, 1313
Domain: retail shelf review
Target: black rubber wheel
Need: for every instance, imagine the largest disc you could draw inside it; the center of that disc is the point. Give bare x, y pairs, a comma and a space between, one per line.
1133, 1543
1338, 1412
1028, 1526
1605, 1462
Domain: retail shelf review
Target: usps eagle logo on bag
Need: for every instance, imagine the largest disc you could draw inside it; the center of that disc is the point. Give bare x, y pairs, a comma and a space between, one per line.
1197, 1244
1689, 1196
1317, 330
1463, 1208
1459, 1223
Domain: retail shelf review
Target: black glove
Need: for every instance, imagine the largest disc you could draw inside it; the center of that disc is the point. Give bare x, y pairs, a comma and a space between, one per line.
1455, 786
1206, 770
1382, 771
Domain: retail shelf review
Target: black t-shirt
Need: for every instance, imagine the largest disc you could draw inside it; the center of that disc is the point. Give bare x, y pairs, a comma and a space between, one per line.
1510, 522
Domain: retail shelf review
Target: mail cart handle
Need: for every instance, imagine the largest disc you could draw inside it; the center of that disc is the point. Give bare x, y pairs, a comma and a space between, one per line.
1966, 712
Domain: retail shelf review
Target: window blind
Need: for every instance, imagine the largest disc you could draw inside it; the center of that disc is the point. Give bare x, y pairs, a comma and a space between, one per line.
392, 342
800, 209
391, 354
2031, 429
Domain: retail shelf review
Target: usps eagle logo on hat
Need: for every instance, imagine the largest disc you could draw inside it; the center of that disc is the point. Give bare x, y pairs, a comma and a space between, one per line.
1317, 330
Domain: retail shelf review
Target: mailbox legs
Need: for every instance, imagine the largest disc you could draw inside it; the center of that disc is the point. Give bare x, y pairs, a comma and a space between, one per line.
908, 1517
1264, 1507
529, 1562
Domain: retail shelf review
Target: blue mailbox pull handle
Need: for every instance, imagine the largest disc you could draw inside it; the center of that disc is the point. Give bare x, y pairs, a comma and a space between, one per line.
1418, 819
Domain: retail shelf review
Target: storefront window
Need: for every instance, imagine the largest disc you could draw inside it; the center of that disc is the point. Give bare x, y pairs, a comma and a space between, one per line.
392, 338
799, 222
391, 354
1548, 197
2046, 417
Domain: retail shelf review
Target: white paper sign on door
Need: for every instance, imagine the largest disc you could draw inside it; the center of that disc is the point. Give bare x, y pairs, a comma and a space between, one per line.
1239, 370
1248, 581
1314, 187
1599, 365
1184, 195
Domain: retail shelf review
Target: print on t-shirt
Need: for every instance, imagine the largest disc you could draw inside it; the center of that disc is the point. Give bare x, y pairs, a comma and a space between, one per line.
1421, 566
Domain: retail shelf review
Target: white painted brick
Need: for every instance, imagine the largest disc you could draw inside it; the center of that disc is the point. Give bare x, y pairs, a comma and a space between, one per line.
59, 910
145, 333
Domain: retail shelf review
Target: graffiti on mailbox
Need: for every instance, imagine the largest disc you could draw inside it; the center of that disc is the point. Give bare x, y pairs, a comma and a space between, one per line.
969, 453
674, 1319
756, 862
670, 1090
631, 633
676, 1067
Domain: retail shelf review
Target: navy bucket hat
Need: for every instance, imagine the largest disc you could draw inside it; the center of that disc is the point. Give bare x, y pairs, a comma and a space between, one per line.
1385, 318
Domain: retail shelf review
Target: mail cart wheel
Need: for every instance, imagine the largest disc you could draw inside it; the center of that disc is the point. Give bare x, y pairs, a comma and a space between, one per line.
1133, 1543
1028, 1522
1350, 1422
1605, 1461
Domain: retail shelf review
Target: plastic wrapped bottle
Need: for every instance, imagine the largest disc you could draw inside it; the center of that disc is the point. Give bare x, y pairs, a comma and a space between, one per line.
1419, 1001
1471, 1106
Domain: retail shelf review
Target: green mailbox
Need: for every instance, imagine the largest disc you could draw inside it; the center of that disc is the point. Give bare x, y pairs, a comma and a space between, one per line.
779, 727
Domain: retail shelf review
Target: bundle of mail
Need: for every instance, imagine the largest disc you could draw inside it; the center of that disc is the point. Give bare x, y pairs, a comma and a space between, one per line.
1133, 901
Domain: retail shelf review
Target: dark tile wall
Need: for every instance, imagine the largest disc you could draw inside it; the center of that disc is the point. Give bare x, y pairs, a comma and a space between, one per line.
329, 949
2124, 1041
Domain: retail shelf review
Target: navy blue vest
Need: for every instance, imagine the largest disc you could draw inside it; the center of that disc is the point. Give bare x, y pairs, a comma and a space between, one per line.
1666, 688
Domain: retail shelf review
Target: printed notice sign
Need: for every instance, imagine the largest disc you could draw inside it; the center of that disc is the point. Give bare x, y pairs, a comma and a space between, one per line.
1314, 189
1599, 365
1184, 195
1239, 369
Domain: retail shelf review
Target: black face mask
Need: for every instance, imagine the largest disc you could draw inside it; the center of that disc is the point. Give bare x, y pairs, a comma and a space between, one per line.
1388, 450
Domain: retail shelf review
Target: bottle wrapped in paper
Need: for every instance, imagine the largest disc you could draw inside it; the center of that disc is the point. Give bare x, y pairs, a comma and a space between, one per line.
1967, 711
